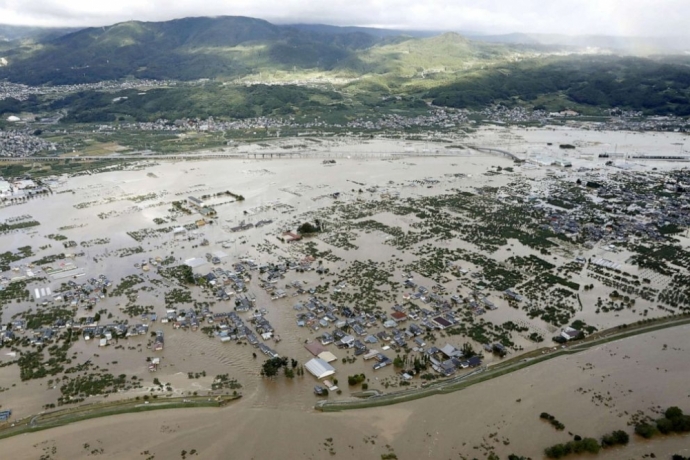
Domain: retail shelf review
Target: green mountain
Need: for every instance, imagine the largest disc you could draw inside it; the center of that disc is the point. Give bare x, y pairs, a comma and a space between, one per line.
654, 86
355, 69
231, 47
414, 57
184, 49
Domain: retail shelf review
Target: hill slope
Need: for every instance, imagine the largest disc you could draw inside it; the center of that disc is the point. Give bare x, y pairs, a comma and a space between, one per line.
656, 87
184, 49
358, 69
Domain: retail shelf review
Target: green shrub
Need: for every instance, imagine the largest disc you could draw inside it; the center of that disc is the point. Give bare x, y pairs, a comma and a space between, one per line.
618, 437
646, 430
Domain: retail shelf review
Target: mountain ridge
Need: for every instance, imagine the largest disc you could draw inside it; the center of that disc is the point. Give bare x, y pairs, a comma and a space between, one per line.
358, 70
225, 46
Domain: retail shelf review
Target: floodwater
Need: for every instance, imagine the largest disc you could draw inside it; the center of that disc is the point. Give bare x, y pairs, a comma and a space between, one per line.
591, 393
299, 186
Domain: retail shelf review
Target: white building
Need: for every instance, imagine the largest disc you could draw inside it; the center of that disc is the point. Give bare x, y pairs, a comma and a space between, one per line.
22, 184
319, 368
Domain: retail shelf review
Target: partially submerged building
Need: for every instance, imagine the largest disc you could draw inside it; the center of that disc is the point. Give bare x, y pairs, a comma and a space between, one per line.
319, 368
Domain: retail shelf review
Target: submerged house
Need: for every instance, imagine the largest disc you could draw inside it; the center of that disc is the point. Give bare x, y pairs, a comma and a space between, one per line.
158, 342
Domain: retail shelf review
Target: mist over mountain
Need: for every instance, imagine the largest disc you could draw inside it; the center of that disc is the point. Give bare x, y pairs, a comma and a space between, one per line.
623, 45
15, 33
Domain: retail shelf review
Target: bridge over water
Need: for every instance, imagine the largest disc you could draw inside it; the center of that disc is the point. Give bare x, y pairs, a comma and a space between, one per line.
255, 155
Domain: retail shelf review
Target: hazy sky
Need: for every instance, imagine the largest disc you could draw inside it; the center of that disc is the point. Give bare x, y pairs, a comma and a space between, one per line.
610, 17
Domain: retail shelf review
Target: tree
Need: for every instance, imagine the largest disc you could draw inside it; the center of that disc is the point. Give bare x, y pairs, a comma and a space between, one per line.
664, 425
557, 451
468, 350
307, 228
646, 430
356, 379
589, 445
681, 424
618, 437
271, 366
673, 412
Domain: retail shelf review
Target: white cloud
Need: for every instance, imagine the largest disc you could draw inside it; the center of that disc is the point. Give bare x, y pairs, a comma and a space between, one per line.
610, 17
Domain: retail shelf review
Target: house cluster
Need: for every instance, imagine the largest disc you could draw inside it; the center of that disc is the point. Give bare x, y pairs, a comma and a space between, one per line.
620, 215
231, 327
23, 92
22, 143
182, 319
403, 328
88, 327
436, 117
501, 114
512, 295
231, 282
448, 360
442, 315
206, 125
635, 121
108, 332
86, 294
228, 283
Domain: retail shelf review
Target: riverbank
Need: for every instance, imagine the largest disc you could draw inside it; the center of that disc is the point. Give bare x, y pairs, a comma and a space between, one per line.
502, 368
54, 419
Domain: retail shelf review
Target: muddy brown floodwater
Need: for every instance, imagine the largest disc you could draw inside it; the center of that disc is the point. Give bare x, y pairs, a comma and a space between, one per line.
591, 393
